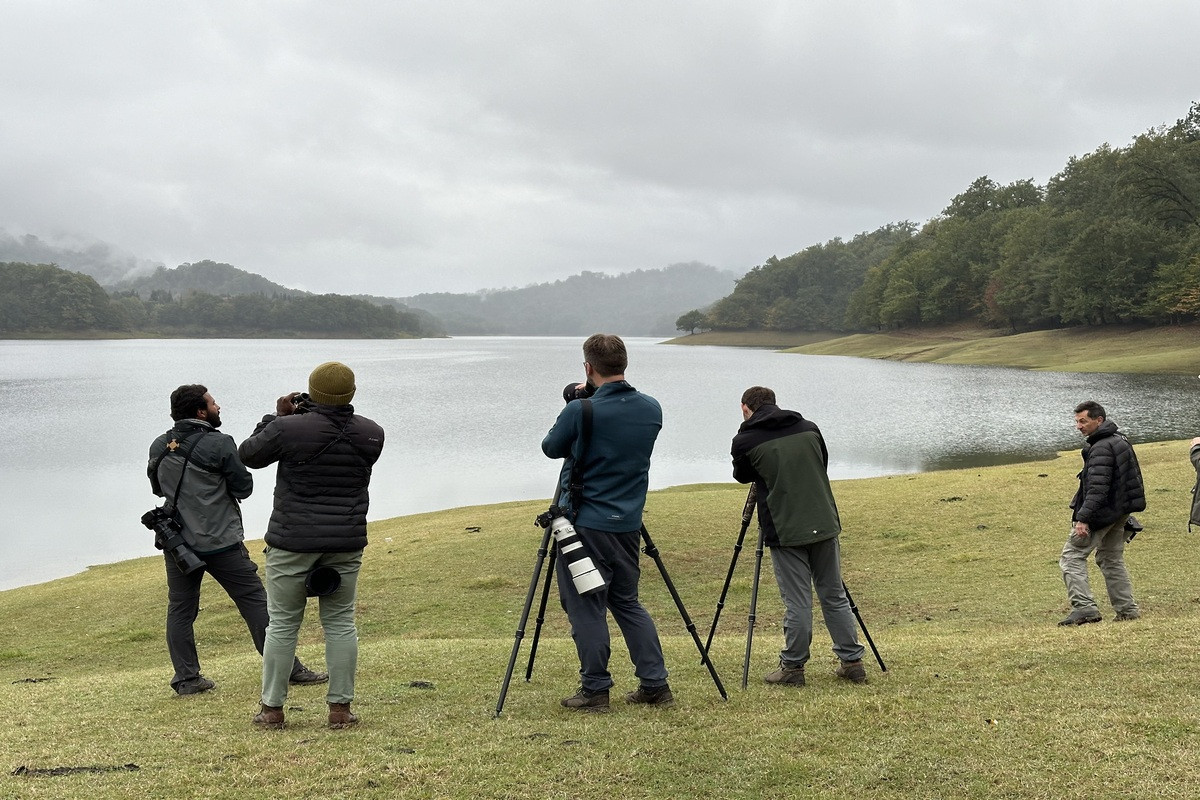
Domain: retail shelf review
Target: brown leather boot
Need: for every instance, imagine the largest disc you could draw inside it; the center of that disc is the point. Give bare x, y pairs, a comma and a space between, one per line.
340, 715
269, 717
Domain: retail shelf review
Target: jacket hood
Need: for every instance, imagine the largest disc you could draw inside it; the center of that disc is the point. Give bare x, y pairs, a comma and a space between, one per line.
769, 417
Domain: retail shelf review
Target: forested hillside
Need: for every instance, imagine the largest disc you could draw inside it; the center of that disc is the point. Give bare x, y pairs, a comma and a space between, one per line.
1113, 237
45, 299
642, 302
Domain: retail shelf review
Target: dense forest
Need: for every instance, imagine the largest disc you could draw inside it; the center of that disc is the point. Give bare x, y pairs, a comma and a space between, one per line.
1112, 238
43, 298
641, 302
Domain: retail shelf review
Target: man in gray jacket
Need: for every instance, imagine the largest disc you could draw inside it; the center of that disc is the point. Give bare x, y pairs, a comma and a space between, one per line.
206, 498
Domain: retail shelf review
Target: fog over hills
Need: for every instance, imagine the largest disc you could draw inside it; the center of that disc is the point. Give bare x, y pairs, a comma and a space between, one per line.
643, 302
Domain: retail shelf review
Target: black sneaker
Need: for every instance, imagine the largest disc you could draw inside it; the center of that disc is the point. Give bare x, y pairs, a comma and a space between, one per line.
304, 676
658, 696
583, 700
194, 685
1081, 616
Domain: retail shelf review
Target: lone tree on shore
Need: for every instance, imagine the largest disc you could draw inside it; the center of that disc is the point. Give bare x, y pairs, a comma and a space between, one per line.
691, 321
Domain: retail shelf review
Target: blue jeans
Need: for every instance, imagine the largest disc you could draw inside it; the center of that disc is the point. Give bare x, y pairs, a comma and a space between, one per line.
616, 556
286, 601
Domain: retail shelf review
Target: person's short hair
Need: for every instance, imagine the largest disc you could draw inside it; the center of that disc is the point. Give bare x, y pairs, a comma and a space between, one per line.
1093, 409
756, 397
606, 353
187, 400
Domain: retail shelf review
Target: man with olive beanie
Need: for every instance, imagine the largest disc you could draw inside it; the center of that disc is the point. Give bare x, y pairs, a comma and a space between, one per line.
325, 453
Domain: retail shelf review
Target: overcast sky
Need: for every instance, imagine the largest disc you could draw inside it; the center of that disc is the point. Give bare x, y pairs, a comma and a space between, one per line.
400, 147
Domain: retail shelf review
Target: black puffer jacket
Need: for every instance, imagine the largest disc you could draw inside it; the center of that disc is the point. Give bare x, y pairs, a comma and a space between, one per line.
325, 458
1110, 483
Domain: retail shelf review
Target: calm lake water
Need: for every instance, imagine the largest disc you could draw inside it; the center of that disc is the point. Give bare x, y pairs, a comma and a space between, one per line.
465, 418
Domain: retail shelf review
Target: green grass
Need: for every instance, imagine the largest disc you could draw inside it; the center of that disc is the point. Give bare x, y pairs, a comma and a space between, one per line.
954, 572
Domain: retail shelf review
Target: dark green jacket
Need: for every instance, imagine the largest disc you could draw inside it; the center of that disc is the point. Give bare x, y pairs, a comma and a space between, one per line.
784, 455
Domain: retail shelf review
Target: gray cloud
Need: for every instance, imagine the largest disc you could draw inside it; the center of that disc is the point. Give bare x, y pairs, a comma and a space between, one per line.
400, 148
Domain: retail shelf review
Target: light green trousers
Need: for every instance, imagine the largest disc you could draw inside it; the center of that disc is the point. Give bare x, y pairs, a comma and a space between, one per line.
286, 601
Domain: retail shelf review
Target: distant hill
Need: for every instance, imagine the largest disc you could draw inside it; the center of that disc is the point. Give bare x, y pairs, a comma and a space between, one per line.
638, 303
204, 276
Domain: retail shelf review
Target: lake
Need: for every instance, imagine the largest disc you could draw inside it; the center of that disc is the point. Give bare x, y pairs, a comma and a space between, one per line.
465, 418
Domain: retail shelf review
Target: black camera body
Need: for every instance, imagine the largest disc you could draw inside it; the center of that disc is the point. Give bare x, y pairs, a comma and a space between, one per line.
168, 536
302, 402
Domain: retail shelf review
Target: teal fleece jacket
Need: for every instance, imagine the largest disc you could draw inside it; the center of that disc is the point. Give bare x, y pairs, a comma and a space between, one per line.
616, 467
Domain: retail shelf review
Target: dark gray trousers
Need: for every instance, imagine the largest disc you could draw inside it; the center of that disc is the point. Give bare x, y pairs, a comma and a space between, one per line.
797, 571
238, 576
616, 556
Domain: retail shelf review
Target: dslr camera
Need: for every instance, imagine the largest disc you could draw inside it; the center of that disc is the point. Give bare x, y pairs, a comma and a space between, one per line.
168, 536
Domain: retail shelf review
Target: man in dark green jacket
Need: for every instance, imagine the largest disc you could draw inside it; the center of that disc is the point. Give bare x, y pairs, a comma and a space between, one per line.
785, 457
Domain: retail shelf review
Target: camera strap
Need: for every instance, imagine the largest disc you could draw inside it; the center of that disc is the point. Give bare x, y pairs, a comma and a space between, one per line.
174, 499
575, 485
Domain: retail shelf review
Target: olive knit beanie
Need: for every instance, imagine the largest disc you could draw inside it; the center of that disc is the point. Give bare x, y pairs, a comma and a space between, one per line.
331, 384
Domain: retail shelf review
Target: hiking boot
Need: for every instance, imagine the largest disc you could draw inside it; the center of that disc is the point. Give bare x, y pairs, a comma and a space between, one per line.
269, 717
304, 676
1081, 616
852, 671
340, 716
1127, 616
194, 685
583, 700
658, 696
786, 676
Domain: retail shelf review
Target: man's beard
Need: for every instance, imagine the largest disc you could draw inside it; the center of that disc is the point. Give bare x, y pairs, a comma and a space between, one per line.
214, 420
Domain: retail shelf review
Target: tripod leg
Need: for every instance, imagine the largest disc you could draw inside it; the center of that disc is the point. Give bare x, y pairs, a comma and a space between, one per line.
651, 550
758, 557
863, 625
541, 617
512, 659
747, 515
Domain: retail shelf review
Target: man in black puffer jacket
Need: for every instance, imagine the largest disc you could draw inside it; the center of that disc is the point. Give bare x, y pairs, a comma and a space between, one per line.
325, 454
1110, 489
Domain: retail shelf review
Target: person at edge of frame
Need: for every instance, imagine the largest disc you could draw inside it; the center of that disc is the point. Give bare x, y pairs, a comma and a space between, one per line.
1110, 489
1194, 455
325, 454
608, 519
784, 455
212, 527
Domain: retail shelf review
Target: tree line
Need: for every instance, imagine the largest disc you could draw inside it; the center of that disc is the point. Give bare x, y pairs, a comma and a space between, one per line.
1112, 238
43, 298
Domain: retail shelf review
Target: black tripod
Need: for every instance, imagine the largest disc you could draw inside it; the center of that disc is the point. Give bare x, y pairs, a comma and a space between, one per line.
546, 554
747, 516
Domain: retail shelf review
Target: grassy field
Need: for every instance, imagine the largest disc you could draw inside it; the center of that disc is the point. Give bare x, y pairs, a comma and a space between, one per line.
1115, 348
955, 574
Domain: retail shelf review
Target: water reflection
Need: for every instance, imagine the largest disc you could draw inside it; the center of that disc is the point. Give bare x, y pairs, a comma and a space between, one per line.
465, 418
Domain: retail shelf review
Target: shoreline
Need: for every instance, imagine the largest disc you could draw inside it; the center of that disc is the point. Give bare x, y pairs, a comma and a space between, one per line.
1165, 350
